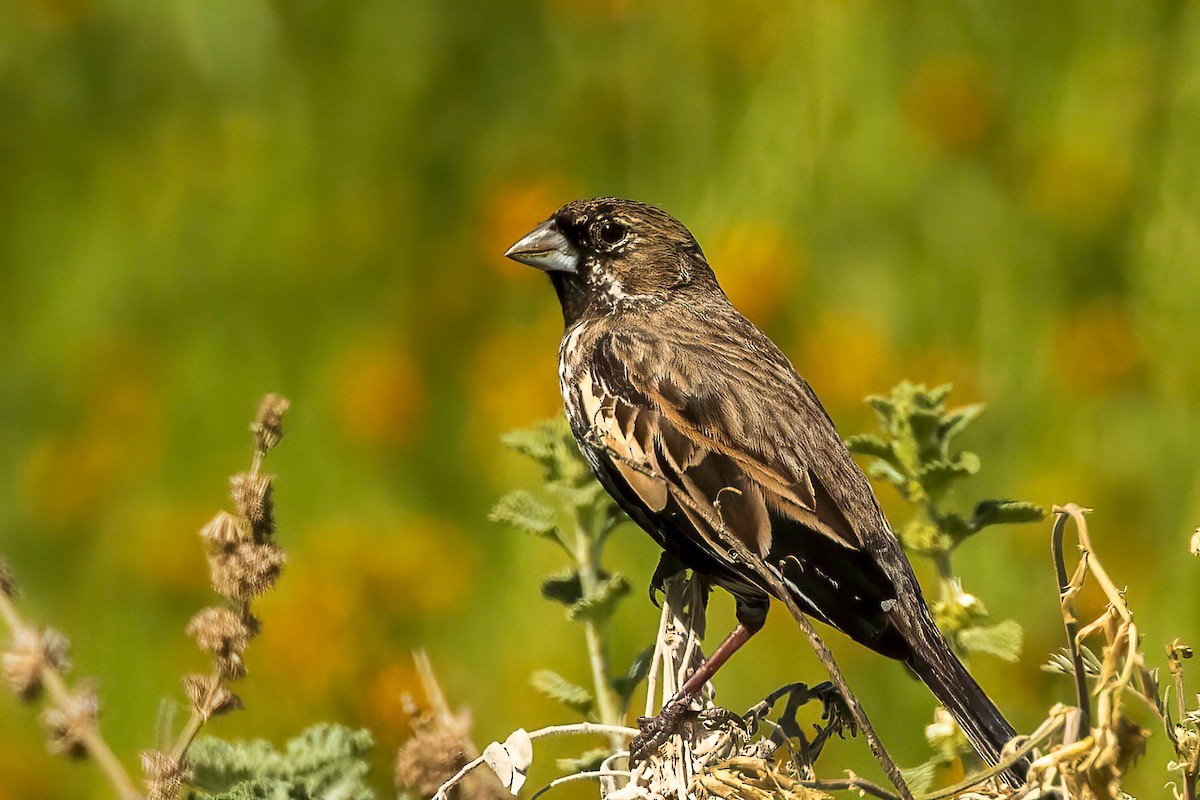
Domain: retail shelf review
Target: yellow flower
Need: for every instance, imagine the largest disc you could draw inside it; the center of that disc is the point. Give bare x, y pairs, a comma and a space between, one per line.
509, 212
949, 103
845, 357
1096, 348
511, 382
378, 394
758, 266
1080, 187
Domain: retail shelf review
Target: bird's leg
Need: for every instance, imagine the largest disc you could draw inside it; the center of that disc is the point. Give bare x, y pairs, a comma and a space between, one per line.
657, 729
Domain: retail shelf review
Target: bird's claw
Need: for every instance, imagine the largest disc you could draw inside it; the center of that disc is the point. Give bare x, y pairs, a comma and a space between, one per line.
657, 729
668, 567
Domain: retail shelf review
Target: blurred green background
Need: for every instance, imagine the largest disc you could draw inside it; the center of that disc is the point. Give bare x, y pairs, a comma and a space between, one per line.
203, 201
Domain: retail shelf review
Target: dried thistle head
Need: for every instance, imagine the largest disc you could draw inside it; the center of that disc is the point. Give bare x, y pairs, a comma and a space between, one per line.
428, 760
225, 635
8, 581
224, 529
209, 696
244, 570
252, 497
268, 423
164, 775
69, 723
29, 653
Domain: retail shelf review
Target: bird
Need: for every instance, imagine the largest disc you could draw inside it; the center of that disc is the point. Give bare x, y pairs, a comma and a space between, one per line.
703, 432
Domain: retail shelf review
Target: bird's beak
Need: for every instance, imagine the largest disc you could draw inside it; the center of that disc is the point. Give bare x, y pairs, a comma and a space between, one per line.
547, 249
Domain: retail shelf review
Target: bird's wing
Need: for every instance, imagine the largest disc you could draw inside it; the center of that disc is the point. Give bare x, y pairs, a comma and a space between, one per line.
710, 437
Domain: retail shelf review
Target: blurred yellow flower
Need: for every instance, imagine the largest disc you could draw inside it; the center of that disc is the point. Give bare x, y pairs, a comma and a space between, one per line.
513, 378
382, 699
511, 210
948, 101
69, 476
1096, 347
1080, 187
158, 546
938, 364
57, 13
28, 772
597, 10
845, 357
378, 393
758, 266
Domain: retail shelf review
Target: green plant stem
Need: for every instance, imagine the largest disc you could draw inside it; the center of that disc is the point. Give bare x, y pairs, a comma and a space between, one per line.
607, 706
60, 696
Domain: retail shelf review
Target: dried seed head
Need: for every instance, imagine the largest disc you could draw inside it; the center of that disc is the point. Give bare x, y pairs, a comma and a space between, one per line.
68, 724
8, 581
209, 696
252, 496
428, 760
244, 570
164, 775
267, 427
29, 653
224, 529
224, 634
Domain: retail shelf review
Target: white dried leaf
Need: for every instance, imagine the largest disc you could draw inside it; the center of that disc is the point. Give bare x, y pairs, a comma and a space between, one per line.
510, 761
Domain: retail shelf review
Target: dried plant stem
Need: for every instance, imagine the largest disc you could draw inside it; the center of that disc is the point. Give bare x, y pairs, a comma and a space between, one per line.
835, 674
189, 733
1070, 625
60, 695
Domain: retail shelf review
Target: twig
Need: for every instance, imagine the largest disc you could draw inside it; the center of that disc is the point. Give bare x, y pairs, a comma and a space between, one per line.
541, 733
580, 776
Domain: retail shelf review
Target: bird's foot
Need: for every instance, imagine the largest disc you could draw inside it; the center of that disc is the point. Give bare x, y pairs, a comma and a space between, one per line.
657, 729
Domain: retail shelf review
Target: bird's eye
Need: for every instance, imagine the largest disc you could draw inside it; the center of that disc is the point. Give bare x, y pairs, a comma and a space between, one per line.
611, 232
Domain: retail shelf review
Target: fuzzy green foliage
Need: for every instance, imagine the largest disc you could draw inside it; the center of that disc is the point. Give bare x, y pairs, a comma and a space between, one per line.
326, 762
573, 511
915, 452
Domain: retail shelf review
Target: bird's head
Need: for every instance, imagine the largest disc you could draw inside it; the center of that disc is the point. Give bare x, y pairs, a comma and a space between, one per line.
607, 252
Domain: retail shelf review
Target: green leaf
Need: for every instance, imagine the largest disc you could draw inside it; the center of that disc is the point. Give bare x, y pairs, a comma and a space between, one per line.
588, 762
883, 471
924, 426
556, 687
600, 604
325, 761
563, 587
937, 476
576, 496
932, 399
921, 778
539, 443
884, 408
868, 444
955, 422
525, 512
1003, 640
639, 668
1000, 512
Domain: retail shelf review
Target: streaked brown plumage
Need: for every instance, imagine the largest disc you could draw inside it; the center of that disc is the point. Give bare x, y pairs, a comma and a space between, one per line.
699, 426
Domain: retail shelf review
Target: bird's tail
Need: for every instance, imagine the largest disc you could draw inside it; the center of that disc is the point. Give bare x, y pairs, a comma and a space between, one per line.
939, 669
